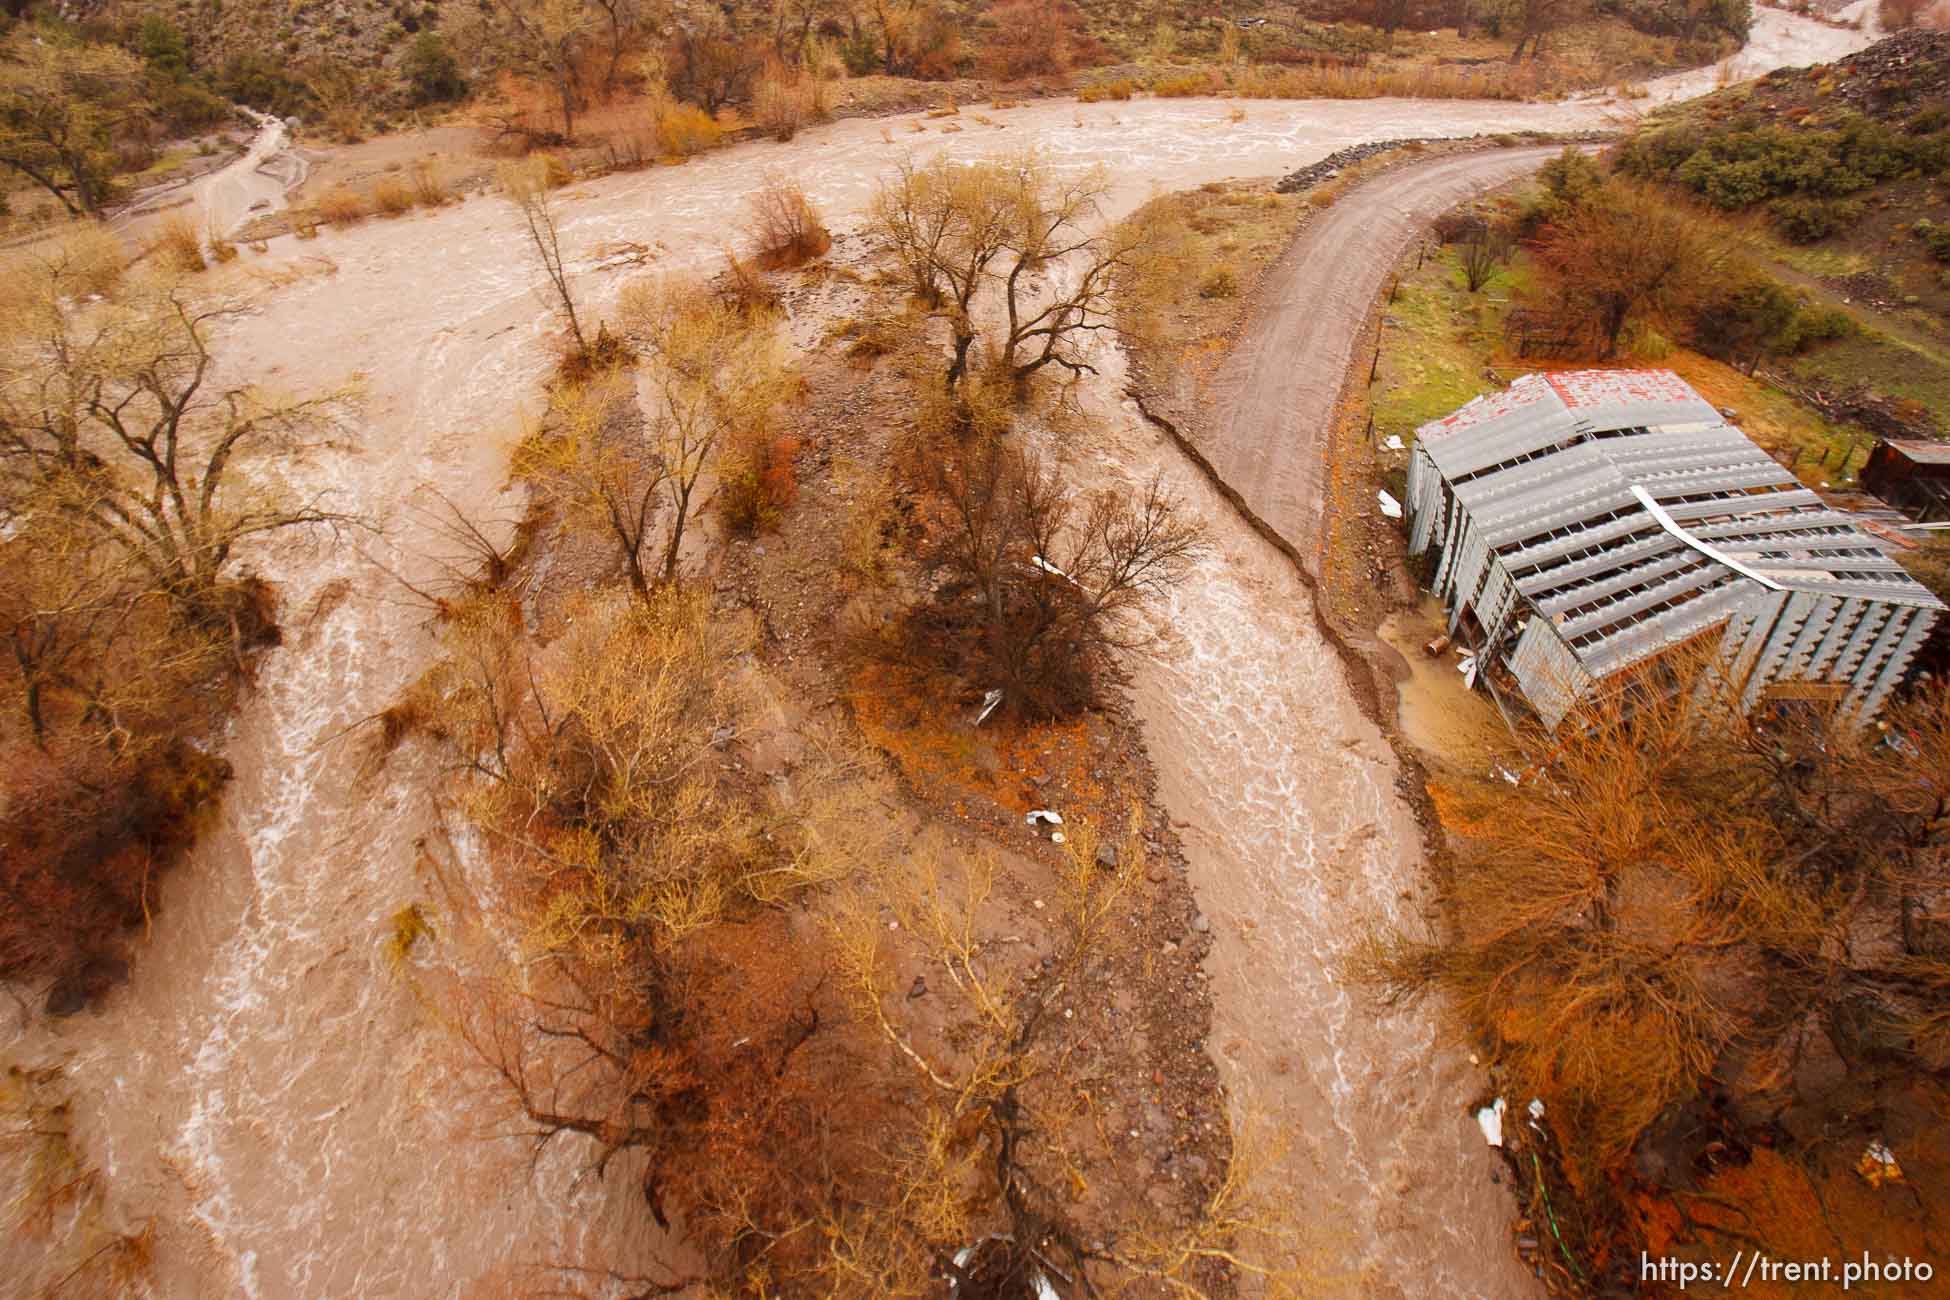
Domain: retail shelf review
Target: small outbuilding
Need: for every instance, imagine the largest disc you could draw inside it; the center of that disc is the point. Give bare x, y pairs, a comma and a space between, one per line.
1911, 475
1586, 521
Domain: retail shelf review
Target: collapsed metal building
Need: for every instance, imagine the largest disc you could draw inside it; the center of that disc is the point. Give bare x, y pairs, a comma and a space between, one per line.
1586, 521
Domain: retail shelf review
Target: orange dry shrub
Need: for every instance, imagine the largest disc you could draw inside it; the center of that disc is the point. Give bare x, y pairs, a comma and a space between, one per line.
1033, 38
920, 722
785, 225
83, 842
759, 482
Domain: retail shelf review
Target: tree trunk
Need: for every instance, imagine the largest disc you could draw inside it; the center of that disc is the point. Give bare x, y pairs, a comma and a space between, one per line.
959, 367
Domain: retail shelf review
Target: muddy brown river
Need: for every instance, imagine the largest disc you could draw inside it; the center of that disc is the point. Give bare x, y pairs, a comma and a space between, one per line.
270, 1088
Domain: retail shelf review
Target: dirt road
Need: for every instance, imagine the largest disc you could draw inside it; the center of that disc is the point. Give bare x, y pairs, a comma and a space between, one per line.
271, 1090
1267, 409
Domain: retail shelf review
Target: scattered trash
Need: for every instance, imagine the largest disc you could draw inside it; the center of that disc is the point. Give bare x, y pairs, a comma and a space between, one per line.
1049, 568
990, 700
1394, 442
1038, 1284
1467, 667
1389, 506
1037, 816
1536, 1106
1497, 769
1058, 837
1435, 648
1490, 1120
1878, 1165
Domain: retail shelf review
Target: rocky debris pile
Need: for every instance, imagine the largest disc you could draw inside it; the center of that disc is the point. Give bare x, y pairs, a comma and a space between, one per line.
1902, 74
1330, 166
1334, 163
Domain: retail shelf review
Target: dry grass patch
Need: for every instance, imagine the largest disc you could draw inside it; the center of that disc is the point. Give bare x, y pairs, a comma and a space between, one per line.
340, 206
178, 243
429, 185
392, 197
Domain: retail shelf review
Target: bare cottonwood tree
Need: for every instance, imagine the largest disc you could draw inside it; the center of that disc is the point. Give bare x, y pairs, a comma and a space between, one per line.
111, 415
1038, 582
710, 369
591, 453
526, 185
665, 1009
1019, 227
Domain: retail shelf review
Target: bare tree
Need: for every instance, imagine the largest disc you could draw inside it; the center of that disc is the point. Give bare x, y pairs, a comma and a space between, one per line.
666, 1010
61, 103
1018, 226
710, 370
981, 1187
110, 416
592, 453
947, 224
1676, 895
546, 40
1036, 584
526, 185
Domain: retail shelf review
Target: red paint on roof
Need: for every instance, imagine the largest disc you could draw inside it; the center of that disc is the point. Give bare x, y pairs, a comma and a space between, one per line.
1526, 390
1598, 387
1570, 389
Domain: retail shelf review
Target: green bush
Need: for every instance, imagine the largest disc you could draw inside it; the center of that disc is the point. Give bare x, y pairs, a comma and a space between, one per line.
1936, 237
262, 83
431, 70
1749, 163
1805, 221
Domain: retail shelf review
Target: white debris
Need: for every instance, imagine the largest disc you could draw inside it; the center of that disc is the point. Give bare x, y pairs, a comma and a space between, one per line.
1039, 815
1037, 1282
1394, 442
1878, 1165
990, 699
1536, 1106
1056, 837
1049, 568
1389, 506
1490, 1120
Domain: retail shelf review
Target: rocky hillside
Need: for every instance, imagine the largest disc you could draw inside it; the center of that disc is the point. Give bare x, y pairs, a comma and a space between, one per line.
361, 32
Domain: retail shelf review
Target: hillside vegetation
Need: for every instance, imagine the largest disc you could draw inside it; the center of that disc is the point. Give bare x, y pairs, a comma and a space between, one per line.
1844, 172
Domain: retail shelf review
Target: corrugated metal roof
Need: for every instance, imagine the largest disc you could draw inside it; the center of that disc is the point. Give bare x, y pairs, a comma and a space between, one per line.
1629, 515
1928, 453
